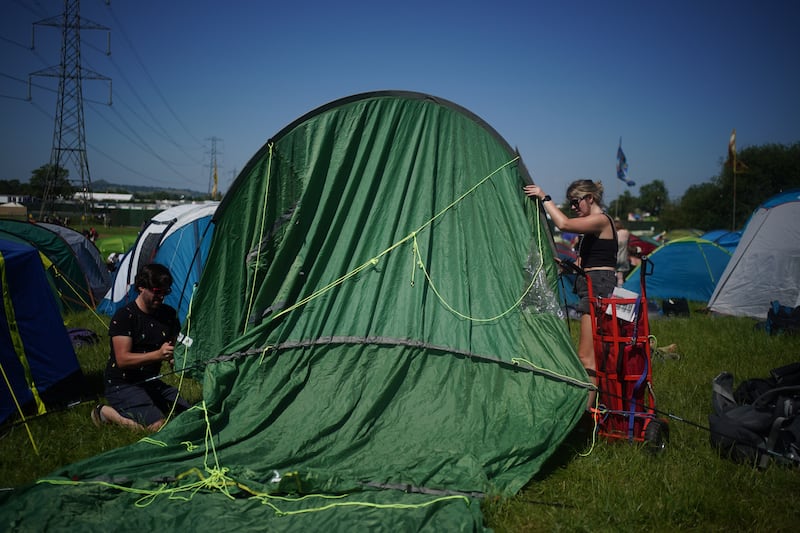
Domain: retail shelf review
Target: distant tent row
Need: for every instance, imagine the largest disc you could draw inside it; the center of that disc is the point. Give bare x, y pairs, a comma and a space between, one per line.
737, 272
179, 238
37, 361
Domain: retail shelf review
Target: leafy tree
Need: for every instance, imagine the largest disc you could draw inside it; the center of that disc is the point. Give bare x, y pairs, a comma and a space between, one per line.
59, 177
624, 204
762, 172
11, 187
653, 197
704, 206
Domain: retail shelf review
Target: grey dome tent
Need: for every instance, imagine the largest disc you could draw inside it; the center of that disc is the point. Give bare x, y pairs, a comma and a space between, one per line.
766, 264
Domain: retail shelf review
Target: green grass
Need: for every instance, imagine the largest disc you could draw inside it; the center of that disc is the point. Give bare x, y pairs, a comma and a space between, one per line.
611, 486
616, 486
68, 435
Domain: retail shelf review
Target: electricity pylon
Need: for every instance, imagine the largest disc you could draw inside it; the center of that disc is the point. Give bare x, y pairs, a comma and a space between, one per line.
69, 136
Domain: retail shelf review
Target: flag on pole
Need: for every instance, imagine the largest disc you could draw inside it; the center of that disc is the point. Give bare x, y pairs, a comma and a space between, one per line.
622, 166
737, 166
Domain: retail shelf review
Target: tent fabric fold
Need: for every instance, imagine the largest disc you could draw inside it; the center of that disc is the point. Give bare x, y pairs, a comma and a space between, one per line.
375, 328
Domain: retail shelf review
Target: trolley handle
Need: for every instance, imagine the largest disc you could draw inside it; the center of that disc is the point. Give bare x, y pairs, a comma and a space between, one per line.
569, 266
647, 266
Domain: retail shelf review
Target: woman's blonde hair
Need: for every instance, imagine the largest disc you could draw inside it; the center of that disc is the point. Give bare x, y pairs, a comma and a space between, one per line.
581, 188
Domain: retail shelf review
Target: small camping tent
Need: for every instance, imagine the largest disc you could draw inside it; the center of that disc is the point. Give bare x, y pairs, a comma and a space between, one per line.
178, 238
72, 282
376, 323
13, 210
89, 258
683, 268
766, 264
37, 359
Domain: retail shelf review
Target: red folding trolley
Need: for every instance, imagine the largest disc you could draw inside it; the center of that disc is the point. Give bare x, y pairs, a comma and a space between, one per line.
625, 408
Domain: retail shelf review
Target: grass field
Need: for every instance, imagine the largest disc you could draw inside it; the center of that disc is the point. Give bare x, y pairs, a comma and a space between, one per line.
605, 486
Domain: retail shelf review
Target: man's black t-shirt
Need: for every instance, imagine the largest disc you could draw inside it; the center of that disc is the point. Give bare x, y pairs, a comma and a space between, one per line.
148, 332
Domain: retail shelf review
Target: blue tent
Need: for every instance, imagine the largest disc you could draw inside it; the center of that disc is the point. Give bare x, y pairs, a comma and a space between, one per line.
178, 238
37, 359
726, 239
684, 268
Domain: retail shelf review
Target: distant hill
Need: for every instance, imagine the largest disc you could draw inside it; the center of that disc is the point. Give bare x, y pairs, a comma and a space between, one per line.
104, 186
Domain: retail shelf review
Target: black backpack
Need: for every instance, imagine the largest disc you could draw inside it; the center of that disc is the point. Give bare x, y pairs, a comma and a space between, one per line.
782, 319
759, 420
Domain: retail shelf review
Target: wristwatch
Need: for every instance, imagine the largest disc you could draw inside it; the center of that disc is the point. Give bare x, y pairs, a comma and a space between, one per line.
546, 198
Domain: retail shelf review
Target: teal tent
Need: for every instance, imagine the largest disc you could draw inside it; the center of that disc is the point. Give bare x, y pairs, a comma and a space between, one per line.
688, 267
377, 334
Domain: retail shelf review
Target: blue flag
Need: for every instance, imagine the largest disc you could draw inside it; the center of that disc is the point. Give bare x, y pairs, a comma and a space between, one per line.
622, 166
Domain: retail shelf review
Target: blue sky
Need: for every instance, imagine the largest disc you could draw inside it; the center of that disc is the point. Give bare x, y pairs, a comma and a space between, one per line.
561, 81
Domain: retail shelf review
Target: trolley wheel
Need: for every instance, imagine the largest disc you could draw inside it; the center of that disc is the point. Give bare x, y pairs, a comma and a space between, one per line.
656, 435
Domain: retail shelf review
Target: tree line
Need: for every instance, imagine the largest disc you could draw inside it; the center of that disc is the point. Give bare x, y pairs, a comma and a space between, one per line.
62, 187
762, 171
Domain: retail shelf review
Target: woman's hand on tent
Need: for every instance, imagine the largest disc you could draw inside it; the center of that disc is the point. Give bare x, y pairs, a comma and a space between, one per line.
533, 190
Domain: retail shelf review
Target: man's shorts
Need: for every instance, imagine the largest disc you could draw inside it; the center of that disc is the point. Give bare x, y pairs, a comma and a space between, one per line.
144, 403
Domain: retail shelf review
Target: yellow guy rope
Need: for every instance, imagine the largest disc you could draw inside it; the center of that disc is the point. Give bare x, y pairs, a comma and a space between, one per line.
260, 239
216, 479
19, 351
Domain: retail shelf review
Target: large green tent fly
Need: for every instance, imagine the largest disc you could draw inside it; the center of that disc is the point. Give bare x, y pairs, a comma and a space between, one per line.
378, 337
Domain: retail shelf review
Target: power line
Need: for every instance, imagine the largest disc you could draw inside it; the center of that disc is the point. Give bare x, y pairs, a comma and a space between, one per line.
142, 144
149, 77
160, 130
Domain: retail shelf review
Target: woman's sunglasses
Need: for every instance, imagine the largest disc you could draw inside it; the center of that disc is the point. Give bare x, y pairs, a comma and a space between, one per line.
575, 202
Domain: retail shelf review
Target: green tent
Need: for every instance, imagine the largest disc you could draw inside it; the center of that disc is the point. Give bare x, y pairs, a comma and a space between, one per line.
73, 286
378, 337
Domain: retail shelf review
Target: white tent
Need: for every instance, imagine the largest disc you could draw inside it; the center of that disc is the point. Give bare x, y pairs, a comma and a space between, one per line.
766, 264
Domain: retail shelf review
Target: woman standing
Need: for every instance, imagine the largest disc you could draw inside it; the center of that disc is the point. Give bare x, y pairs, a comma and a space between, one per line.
597, 254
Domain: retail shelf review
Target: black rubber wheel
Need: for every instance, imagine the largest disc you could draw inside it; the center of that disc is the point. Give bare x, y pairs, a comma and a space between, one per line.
656, 435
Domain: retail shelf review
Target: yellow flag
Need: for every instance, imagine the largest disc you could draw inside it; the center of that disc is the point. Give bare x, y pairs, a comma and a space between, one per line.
732, 148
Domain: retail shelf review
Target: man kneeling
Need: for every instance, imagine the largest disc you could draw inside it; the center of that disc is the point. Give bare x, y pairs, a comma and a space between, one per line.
142, 336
